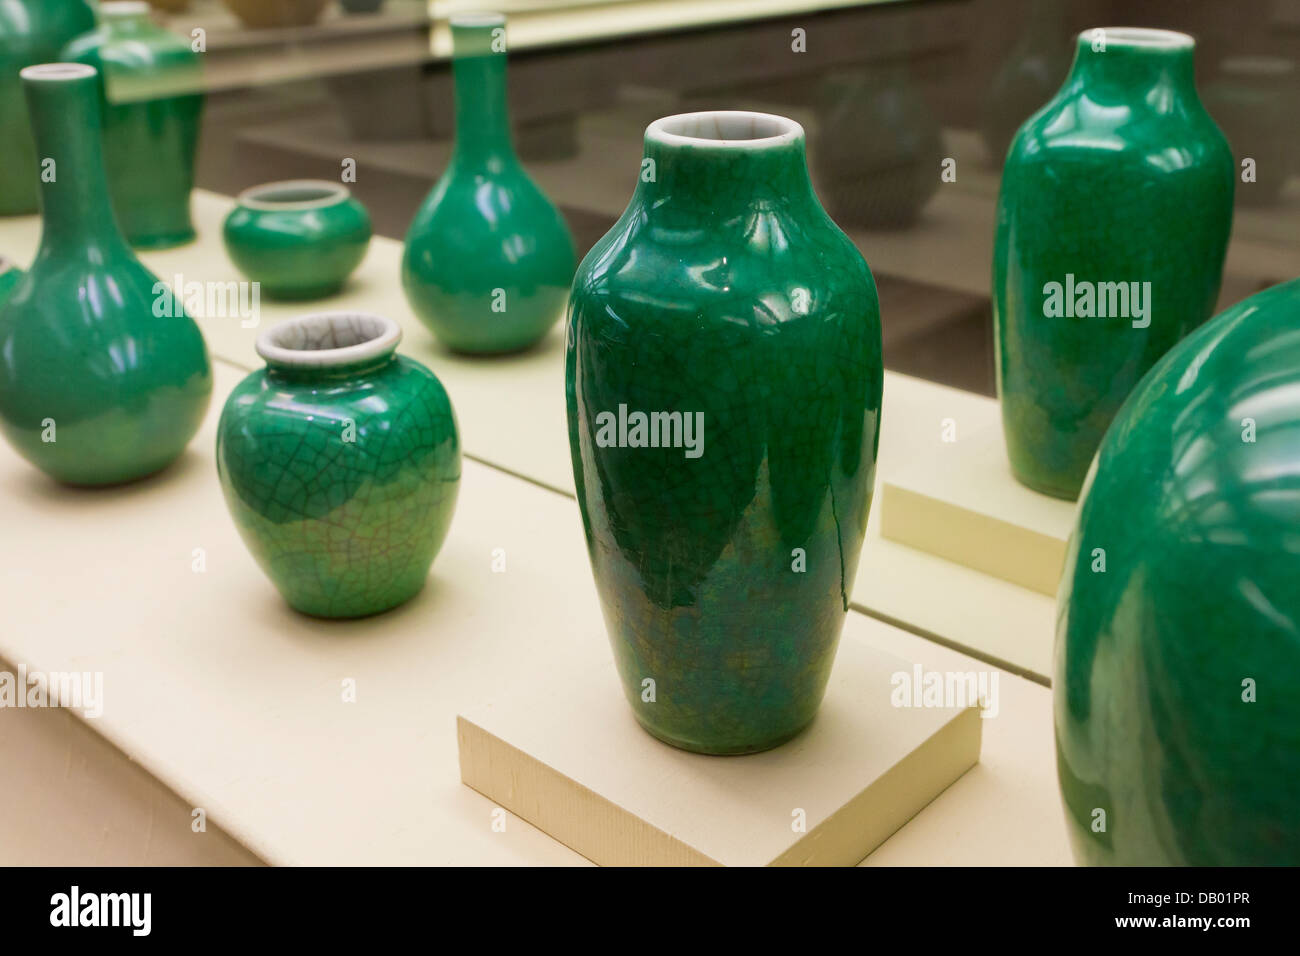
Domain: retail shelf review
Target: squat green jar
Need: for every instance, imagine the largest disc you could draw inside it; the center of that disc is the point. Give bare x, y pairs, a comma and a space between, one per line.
299, 239
153, 109
488, 258
31, 32
1112, 225
1177, 660
724, 379
340, 463
103, 378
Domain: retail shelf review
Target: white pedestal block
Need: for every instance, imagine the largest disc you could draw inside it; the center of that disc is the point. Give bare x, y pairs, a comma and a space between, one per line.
959, 501
566, 754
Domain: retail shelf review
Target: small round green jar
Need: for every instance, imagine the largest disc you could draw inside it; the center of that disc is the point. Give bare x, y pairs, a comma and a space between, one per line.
340, 462
298, 239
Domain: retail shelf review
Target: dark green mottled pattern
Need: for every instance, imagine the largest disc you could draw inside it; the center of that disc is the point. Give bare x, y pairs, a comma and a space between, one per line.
31, 32
1122, 177
1198, 595
152, 113
81, 343
686, 305
488, 258
343, 529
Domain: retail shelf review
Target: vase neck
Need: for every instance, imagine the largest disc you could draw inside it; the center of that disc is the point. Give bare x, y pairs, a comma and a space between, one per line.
1133, 65
63, 100
479, 69
723, 163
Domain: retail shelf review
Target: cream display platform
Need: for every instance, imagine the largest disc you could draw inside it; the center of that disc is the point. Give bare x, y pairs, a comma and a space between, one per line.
309, 742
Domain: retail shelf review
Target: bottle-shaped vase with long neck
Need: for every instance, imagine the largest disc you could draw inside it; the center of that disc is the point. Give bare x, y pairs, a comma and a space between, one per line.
103, 378
1112, 225
153, 108
488, 258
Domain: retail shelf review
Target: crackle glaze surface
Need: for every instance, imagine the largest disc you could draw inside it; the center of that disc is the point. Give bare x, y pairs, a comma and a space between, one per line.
488, 259
340, 470
1122, 177
300, 240
96, 387
151, 127
31, 32
725, 291
1194, 500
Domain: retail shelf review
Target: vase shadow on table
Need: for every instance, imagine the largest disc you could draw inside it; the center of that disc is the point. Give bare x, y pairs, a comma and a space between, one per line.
384, 625
34, 485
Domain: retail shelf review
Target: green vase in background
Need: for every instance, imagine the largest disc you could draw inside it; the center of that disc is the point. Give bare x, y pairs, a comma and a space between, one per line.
488, 258
31, 32
340, 463
1112, 224
1177, 661
103, 378
153, 109
724, 379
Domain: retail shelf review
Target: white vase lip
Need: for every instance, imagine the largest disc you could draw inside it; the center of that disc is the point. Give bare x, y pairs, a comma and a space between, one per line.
477, 18
725, 129
1145, 38
58, 72
261, 198
320, 340
121, 9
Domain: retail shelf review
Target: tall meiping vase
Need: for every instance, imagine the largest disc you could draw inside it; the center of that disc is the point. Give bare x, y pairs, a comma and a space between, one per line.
153, 108
488, 259
103, 378
1112, 225
724, 378
31, 32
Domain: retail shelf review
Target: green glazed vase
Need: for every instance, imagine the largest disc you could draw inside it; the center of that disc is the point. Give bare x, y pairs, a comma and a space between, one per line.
31, 32
724, 379
153, 109
1177, 660
488, 258
103, 378
340, 463
1112, 224
299, 239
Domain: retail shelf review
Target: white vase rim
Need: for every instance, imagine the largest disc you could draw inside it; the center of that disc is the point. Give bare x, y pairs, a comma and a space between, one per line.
1146, 38
725, 129
321, 340
58, 72
261, 197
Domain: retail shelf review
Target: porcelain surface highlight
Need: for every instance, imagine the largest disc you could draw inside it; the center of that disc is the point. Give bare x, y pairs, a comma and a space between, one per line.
1177, 658
488, 259
153, 110
31, 32
724, 380
340, 463
103, 379
1112, 224
299, 239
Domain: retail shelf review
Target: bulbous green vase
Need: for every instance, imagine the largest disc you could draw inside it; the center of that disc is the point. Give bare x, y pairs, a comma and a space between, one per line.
1112, 225
103, 378
31, 32
340, 463
153, 109
299, 239
1177, 659
724, 379
488, 258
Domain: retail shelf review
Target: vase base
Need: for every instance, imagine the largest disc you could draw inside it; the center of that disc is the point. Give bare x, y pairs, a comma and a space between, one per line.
723, 750
324, 614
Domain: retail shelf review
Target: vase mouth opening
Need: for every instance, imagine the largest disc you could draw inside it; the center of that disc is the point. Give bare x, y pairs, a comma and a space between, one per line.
477, 20
728, 129
123, 9
58, 72
294, 194
323, 340
1147, 39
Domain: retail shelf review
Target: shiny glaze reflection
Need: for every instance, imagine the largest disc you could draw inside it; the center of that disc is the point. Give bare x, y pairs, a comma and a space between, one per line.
1121, 178
101, 379
488, 258
725, 290
1195, 500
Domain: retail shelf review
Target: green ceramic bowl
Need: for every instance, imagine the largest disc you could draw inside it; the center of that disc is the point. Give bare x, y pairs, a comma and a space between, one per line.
299, 239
